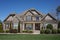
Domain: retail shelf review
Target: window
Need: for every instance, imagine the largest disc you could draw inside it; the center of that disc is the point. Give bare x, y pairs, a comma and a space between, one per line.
37, 18
28, 26
28, 18
15, 26
7, 26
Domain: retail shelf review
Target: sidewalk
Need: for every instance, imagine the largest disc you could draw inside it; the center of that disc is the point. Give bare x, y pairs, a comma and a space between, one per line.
19, 33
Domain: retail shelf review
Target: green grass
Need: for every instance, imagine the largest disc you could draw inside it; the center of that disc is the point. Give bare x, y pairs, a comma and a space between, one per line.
29, 37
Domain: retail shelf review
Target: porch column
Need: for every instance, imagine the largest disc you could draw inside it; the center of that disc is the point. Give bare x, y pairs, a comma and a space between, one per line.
33, 27
4, 27
41, 25
23, 26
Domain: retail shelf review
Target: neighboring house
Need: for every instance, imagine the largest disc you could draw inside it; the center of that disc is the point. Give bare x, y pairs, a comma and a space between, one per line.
29, 20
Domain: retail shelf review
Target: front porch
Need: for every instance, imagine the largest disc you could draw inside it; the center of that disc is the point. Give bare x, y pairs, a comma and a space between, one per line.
35, 27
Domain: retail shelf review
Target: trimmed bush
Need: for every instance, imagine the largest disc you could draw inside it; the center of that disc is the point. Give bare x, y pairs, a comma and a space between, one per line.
54, 31
27, 31
30, 31
24, 31
59, 30
42, 28
7, 31
1, 31
1, 28
47, 31
49, 26
13, 31
42, 31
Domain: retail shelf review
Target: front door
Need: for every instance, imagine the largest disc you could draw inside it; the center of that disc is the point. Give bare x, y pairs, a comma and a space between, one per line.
37, 26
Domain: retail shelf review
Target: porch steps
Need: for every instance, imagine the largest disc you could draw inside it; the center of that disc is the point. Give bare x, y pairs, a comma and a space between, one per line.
37, 32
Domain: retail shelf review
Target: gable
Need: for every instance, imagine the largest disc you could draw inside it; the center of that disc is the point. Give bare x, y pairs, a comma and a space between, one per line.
35, 12
10, 18
28, 13
32, 12
15, 20
48, 18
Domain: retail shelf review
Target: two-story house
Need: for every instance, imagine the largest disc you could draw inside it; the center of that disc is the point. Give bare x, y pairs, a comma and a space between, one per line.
29, 20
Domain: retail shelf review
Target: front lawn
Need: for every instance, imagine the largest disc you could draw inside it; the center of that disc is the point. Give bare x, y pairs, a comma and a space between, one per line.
29, 37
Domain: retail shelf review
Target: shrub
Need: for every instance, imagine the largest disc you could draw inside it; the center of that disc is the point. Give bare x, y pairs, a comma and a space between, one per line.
30, 31
49, 26
54, 31
47, 31
59, 30
1, 27
1, 31
24, 31
42, 28
42, 31
7, 31
13, 31
27, 31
